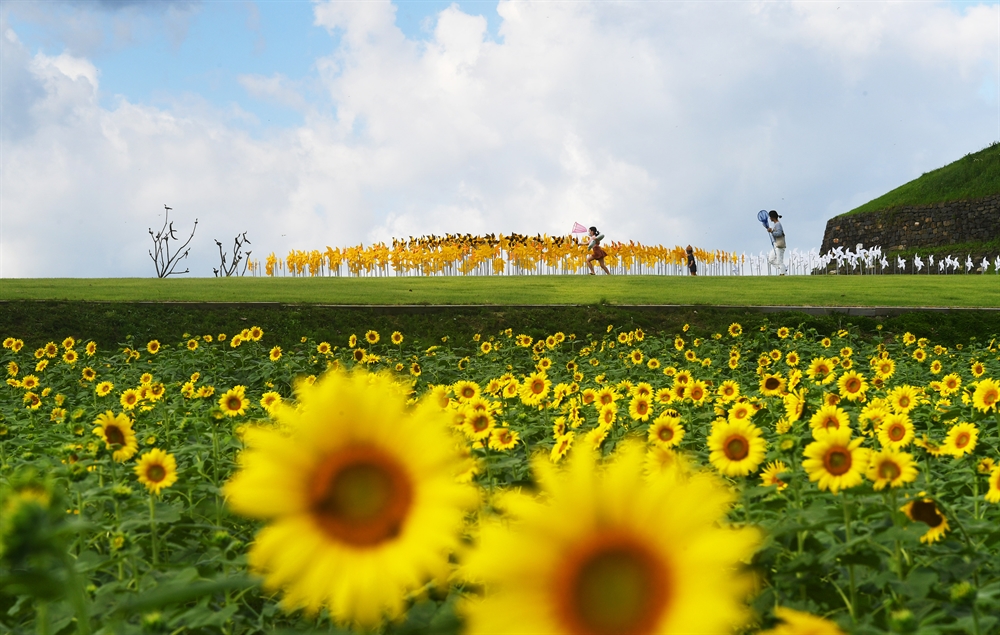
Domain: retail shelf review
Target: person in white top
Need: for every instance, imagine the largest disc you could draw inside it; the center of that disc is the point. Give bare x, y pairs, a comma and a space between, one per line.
777, 257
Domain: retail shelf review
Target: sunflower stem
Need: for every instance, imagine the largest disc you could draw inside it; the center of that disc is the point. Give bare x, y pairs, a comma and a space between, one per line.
850, 567
152, 528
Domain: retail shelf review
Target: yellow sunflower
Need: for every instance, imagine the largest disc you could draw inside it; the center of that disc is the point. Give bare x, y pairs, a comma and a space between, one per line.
993, 495
735, 330
503, 439
903, 398
987, 395
885, 368
821, 371
372, 337
666, 431
640, 408
156, 470
466, 390
129, 398
891, 468
234, 401
925, 510
852, 386
153, 347
270, 400
478, 424
896, 431
830, 418
535, 388
641, 556
771, 474
275, 354
356, 519
729, 390
977, 369
104, 388
835, 460
117, 434
563, 445
961, 439
741, 411
736, 448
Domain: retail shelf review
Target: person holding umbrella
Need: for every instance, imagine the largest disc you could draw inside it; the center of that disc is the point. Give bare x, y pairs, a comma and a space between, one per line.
777, 257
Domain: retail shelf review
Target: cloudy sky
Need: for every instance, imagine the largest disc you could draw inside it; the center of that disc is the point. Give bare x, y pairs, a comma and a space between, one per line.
307, 124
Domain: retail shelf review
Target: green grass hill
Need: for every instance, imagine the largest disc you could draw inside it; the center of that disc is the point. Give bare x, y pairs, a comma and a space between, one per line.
976, 175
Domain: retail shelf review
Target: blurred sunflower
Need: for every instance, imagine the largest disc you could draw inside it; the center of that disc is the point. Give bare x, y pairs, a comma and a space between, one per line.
799, 623
153, 347
641, 556
735, 330
275, 354
355, 518
372, 337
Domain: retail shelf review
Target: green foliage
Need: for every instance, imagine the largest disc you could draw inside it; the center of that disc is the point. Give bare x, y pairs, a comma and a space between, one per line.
975, 175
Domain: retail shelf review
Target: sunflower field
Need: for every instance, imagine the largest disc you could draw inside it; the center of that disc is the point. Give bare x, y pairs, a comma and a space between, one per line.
773, 480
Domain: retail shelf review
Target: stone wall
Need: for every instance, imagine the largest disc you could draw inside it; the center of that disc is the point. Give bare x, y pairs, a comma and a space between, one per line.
912, 227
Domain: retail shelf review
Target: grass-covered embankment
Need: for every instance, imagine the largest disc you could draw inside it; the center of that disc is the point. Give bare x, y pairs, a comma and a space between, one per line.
976, 175
939, 291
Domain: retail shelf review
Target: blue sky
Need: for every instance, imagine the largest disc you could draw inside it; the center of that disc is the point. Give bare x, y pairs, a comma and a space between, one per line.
336, 123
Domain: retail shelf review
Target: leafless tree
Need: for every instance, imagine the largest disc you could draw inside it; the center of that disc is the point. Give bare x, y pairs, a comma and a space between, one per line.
233, 267
164, 261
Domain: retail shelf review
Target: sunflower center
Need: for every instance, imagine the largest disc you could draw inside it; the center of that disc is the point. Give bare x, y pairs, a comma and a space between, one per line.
537, 386
852, 385
926, 512
361, 496
837, 461
737, 448
234, 403
614, 586
904, 402
896, 432
991, 397
889, 471
962, 440
155, 473
831, 422
642, 407
480, 423
666, 433
114, 435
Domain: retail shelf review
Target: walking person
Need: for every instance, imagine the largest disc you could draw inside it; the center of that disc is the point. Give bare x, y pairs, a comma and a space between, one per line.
692, 265
777, 257
596, 252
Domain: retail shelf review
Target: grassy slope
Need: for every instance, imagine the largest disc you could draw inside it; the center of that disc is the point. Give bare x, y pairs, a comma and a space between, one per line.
959, 290
973, 176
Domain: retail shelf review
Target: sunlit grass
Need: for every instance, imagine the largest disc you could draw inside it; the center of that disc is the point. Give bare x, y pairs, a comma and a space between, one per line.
956, 290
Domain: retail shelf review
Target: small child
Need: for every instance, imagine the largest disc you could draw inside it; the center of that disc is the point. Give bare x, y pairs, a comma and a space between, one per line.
692, 265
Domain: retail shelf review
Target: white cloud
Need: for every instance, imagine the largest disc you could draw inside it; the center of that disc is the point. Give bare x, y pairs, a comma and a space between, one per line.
658, 122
